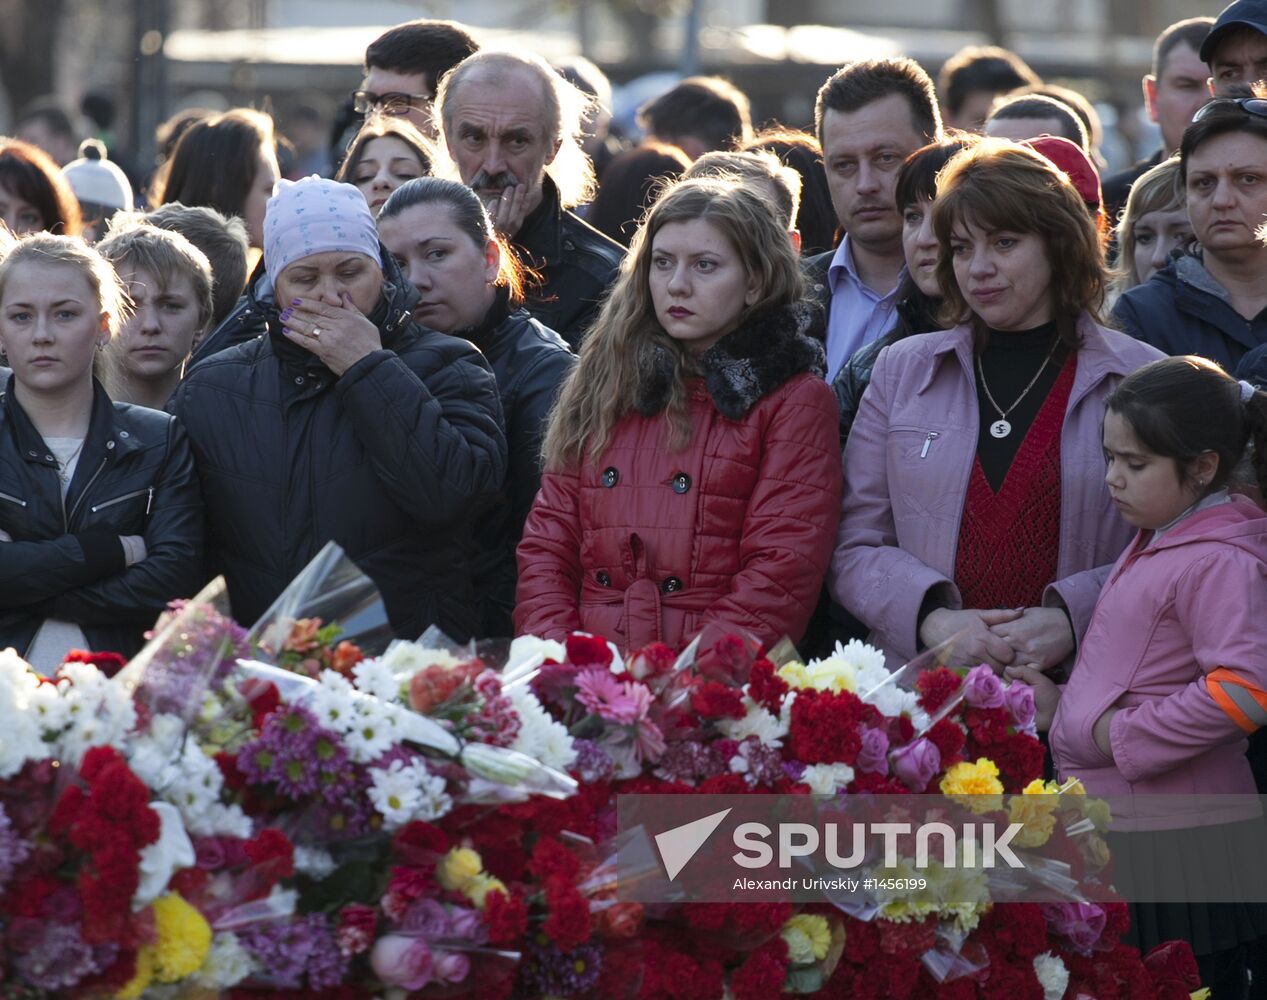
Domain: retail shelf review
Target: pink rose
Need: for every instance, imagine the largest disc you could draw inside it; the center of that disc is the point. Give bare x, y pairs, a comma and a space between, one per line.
1079, 923
874, 755
402, 961
1019, 699
450, 967
982, 689
916, 764
210, 853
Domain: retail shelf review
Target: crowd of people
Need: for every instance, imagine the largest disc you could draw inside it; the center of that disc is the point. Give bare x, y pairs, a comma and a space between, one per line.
921, 377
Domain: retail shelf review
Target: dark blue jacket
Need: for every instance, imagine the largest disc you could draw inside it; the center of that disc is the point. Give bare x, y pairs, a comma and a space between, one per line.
1183, 310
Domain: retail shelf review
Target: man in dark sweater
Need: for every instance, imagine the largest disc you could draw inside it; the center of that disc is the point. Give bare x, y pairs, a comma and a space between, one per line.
1173, 91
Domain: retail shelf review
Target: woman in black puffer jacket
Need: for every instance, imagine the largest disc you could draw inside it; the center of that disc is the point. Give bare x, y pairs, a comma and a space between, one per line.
469, 285
347, 422
101, 520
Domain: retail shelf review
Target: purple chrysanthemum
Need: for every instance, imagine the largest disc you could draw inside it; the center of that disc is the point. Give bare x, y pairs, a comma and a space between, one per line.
13, 849
593, 763
59, 960
297, 756
297, 949
547, 969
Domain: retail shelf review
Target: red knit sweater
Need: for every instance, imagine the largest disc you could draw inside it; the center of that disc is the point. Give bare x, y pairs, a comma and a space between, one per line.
1009, 541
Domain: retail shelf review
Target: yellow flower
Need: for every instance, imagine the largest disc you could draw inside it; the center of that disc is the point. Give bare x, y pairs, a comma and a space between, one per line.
1035, 809
980, 781
459, 868
808, 937
478, 888
1201, 994
1097, 811
794, 674
143, 976
184, 938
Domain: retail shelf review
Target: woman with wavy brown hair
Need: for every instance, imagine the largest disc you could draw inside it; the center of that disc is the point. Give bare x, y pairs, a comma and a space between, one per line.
975, 506
692, 472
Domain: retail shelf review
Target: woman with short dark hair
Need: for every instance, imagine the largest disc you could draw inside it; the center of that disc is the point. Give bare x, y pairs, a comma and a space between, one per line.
974, 508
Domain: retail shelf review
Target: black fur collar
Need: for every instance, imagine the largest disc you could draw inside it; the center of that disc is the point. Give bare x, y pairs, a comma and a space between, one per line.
748, 363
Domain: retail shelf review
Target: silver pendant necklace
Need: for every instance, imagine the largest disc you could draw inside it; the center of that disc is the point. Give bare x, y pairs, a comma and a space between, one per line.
1002, 427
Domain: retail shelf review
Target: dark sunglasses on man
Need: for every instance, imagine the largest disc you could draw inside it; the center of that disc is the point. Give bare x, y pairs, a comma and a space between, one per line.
366, 102
1255, 106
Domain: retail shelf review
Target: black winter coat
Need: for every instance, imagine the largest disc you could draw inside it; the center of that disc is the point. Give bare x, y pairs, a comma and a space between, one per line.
393, 460
245, 322
576, 262
530, 363
1182, 310
135, 476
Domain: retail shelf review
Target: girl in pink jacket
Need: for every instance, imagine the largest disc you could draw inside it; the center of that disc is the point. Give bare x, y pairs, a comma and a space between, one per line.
1171, 674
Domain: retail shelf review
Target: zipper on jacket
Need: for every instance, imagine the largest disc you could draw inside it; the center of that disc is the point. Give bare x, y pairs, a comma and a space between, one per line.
67, 518
932, 436
127, 496
11, 499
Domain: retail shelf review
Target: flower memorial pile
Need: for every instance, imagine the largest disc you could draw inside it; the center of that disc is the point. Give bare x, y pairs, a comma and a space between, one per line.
434, 822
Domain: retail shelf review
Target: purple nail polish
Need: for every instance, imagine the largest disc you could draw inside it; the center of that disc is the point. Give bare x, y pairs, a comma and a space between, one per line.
287, 313
295, 302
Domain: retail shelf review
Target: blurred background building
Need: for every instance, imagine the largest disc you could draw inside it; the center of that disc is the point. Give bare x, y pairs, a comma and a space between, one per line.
131, 63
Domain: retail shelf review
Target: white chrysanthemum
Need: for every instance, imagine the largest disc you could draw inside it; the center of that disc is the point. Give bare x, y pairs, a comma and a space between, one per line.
375, 678
47, 707
540, 736
404, 659
558, 748
371, 731
404, 792
528, 647
827, 779
1052, 975
314, 862
219, 820
758, 722
226, 964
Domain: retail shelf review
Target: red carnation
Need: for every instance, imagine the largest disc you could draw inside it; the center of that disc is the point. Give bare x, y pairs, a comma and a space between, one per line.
763, 973
273, 852
108, 663
419, 841
988, 726
714, 700
650, 661
936, 687
505, 917
826, 727
1020, 760
262, 697
569, 921
766, 687
550, 858
1173, 970
357, 923
588, 650
948, 737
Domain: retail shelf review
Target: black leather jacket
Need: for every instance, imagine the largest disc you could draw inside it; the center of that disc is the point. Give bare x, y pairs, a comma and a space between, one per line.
530, 362
577, 264
393, 460
135, 476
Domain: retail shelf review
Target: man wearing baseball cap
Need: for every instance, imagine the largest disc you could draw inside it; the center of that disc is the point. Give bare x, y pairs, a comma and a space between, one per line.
1236, 47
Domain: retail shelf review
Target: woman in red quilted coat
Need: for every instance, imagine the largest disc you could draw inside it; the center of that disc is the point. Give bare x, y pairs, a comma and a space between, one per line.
692, 471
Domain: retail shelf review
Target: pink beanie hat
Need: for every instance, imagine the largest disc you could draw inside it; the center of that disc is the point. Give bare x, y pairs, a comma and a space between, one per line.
315, 215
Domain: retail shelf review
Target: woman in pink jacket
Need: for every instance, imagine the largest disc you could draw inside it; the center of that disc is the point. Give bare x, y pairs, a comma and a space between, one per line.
972, 471
1171, 674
